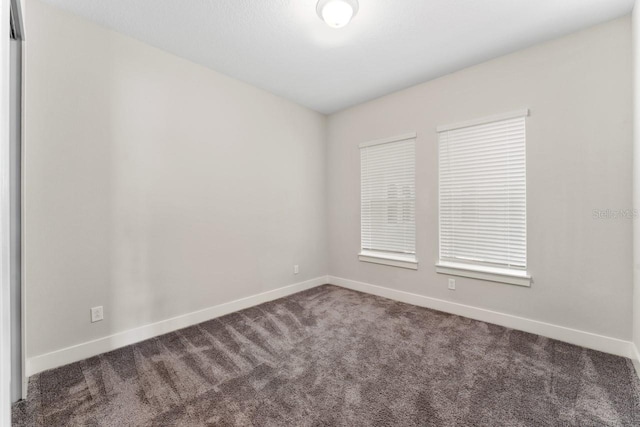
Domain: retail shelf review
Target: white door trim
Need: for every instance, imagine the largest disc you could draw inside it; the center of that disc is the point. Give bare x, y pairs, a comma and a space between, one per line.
5, 307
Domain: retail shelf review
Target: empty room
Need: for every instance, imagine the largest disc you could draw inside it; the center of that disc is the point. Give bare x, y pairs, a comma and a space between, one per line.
319, 213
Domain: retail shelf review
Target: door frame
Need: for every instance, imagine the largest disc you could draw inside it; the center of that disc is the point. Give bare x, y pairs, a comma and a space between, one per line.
18, 380
5, 283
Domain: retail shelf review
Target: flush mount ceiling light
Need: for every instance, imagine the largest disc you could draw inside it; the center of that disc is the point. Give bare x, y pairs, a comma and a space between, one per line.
337, 13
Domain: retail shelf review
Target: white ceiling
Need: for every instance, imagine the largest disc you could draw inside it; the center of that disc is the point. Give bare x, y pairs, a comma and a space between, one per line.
283, 47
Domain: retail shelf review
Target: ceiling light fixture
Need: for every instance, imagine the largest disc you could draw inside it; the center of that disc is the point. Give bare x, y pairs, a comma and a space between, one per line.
337, 13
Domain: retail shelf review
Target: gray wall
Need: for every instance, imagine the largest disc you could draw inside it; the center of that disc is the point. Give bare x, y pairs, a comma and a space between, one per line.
155, 187
579, 145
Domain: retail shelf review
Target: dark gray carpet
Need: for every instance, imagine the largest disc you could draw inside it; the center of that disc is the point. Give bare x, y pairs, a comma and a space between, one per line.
330, 356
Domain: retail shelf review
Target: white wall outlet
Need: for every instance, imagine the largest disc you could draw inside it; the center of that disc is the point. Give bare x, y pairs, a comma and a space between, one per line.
452, 284
296, 269
96, 314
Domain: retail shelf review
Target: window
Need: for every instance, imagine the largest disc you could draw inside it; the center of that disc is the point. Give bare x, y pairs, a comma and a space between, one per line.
482, 209
388, 201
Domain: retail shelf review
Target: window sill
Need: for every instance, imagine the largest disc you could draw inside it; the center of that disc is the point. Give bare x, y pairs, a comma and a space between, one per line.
492, 274
394, 260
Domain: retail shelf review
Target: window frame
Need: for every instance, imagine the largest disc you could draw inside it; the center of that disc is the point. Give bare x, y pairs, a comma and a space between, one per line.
394, 259
480, 270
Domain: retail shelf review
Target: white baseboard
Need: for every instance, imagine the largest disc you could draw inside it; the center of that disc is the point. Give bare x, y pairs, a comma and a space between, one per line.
84, 350
573, 336
636, 358
81, 351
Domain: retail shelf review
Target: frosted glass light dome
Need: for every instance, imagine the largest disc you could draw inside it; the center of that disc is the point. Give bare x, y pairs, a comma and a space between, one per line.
337, 13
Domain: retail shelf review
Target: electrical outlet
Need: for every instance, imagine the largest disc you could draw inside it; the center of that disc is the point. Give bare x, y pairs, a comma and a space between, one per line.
96, 314
296, 269
452, 284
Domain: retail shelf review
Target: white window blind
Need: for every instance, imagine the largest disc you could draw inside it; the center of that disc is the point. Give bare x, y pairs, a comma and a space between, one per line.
388, 197
482, 179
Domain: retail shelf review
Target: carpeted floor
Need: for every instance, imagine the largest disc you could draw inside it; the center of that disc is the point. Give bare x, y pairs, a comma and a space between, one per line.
330, 356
